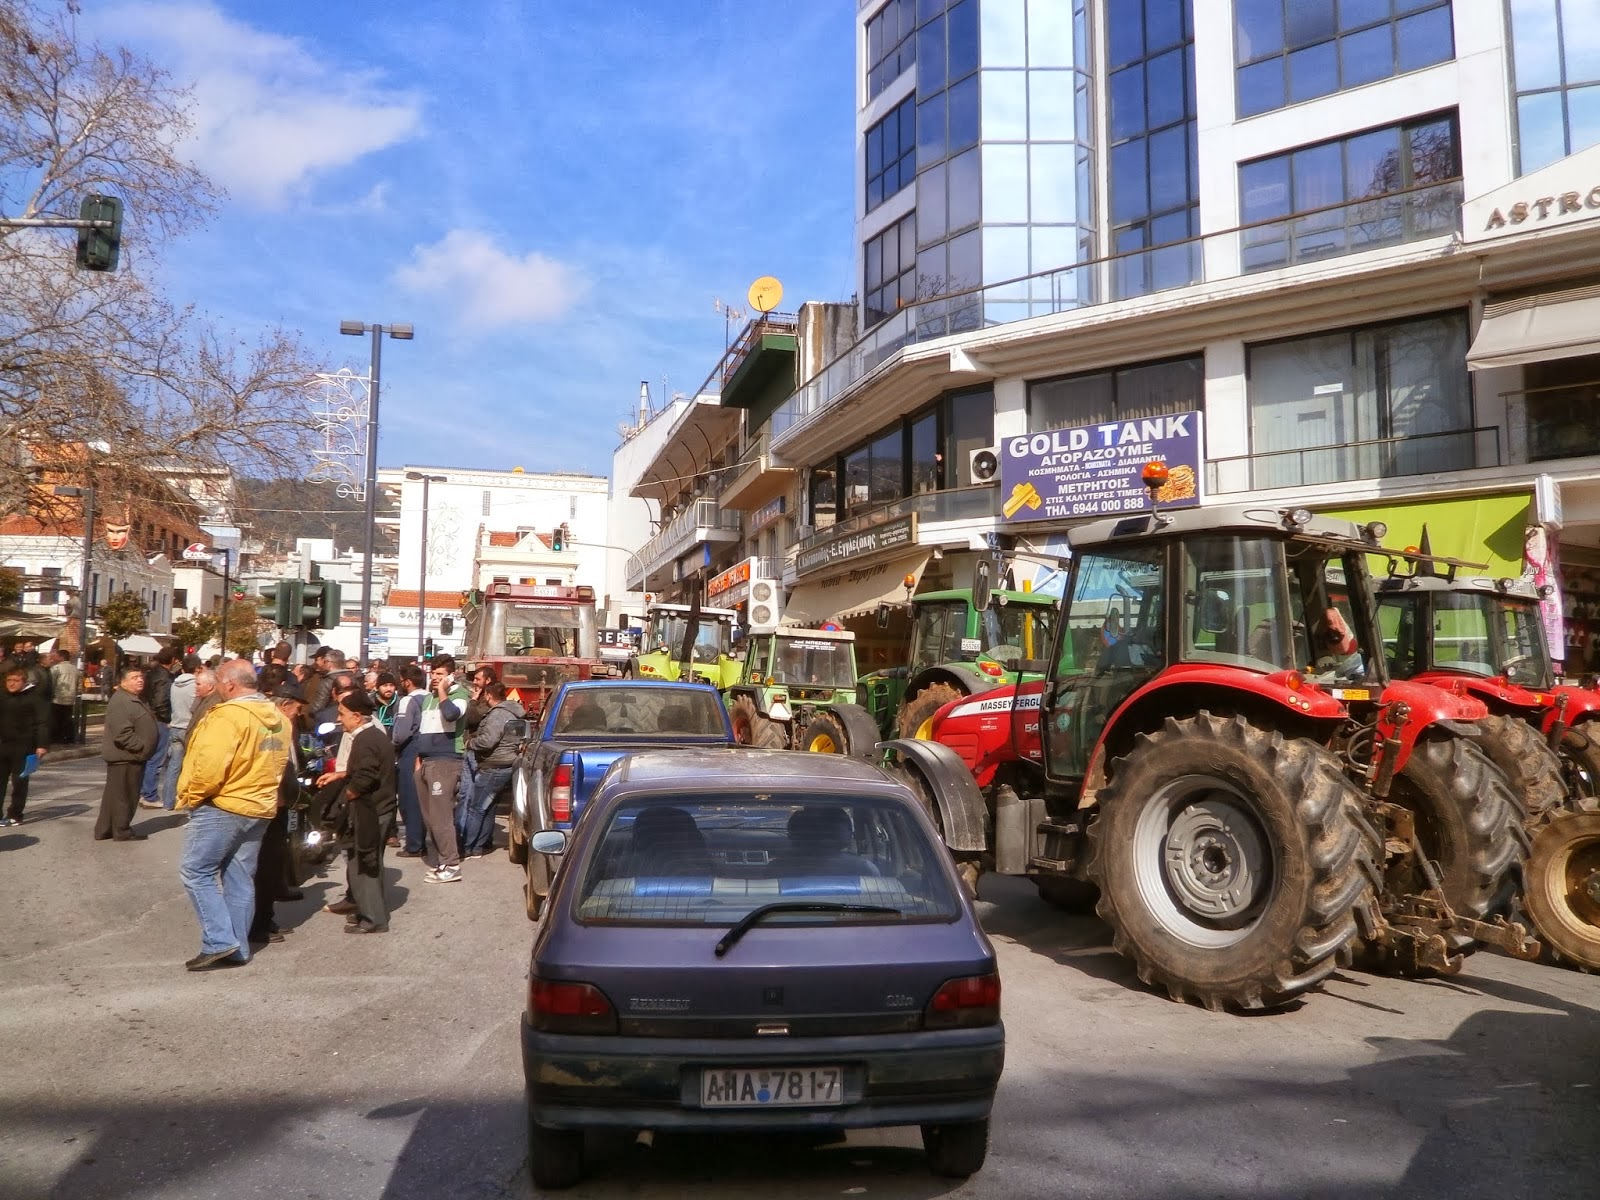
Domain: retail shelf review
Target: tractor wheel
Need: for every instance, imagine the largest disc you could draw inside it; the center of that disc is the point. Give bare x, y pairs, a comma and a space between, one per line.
825, 734
1068, 895
750, 728
1527, 762
1230, 861
1563, 892
1468, 823
916, 711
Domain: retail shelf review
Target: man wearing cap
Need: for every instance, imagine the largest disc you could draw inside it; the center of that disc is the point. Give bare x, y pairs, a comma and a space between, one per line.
273, 865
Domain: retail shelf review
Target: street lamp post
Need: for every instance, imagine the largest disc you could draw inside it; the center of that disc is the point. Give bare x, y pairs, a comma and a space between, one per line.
84, 596
401, 333
422, 572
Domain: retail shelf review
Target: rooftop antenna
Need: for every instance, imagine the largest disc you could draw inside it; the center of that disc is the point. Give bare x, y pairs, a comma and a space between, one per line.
730, 314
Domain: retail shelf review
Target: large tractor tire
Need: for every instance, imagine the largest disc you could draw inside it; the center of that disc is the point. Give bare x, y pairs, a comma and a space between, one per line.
1527, 762
916, 711
1563, 893
1230, 862
1580, 758
750, 728
844, 729
825, 735
1469, 825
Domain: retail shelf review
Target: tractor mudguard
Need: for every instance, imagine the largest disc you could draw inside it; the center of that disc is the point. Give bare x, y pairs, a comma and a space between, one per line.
980, 729
1583, 705
963, 812
1429, 707
859, 728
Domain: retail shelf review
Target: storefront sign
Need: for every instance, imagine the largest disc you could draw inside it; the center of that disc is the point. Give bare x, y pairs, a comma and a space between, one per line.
768, 513
1094, 470
902, 531
731, 578
1564, 193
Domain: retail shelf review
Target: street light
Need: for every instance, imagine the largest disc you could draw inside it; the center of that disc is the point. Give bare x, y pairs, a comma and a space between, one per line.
401, 333
84, 597
422, 575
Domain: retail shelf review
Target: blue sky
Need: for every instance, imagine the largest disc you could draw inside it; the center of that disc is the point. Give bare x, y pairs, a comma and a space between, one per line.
553, 191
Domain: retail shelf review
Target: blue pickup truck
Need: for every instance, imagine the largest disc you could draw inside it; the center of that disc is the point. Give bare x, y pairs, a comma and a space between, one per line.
584, 729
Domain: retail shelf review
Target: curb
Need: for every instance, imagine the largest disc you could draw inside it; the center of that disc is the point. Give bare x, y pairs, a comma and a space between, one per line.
70, 754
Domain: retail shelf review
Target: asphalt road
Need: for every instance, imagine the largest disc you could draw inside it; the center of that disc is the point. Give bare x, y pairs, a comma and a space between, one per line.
388, 1066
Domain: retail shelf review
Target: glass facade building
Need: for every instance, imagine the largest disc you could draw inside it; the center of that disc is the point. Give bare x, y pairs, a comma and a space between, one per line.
1555, 53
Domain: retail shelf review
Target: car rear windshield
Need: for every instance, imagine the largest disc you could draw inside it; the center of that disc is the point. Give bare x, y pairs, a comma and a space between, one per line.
712, 860
644, 710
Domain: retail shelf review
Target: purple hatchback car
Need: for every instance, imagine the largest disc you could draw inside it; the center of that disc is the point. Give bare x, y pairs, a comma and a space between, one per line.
757, 940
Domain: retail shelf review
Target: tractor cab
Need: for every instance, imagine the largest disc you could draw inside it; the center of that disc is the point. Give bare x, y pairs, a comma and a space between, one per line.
661, 649
1270, 607
1484, 629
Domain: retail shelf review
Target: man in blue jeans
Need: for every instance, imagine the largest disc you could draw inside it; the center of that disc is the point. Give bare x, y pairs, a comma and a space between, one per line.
158, 695
231, 771
495, 750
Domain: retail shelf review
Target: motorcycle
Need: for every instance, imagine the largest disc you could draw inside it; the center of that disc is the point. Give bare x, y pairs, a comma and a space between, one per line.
312, 813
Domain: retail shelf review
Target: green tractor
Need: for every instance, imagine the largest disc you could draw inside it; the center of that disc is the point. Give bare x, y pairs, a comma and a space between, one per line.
661, 648
958, 649
798, 692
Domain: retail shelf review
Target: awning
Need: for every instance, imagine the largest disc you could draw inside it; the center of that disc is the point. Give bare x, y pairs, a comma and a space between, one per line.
139, 643
854, 591
1554, 325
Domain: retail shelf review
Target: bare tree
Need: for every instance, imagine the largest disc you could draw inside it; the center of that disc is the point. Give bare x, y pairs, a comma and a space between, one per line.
104, 356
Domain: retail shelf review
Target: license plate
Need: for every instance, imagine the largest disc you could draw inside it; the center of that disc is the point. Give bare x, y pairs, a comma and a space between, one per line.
294, 820
771, 1087
1350, 694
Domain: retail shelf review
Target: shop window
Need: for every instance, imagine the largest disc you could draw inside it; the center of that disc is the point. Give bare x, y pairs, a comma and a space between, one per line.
1347, 191
1367, 403
1560, 399
1146, 390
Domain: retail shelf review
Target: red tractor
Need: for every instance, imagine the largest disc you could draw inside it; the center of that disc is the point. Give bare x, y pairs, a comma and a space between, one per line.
1226, 764
536, 637
1485, 638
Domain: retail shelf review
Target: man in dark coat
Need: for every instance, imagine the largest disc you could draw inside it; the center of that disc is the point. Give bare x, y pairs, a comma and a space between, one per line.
130, 739
369, 798
21, 734
158, 697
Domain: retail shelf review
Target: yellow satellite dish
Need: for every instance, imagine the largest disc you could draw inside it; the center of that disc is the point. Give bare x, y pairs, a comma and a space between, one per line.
765, 293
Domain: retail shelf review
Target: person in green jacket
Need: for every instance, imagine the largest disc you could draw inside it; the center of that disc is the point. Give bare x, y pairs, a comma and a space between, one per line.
129, 741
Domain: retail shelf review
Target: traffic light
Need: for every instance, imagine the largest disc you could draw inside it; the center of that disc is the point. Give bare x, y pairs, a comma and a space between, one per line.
559, 539
447, 625
98, 248
427, 648
319, 604
280, 603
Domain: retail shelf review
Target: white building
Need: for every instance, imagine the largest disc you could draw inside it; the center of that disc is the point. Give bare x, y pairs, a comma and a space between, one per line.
44, 557
632, 520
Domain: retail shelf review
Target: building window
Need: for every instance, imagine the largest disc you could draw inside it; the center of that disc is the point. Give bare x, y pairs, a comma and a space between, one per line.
1289, 51
1558, 403
1155, 190
890, 270
891, 44
821, 503
180, 597
1124, 394
1556, 67
1366, 403
486, 498
1347, 191
51, 595
874, 474
892, 153
968, 426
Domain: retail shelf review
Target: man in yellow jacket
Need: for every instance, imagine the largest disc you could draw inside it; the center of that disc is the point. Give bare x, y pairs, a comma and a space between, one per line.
231, 770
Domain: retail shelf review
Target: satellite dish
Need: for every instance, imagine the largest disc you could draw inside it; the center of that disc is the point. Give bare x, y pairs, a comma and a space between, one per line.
765, 293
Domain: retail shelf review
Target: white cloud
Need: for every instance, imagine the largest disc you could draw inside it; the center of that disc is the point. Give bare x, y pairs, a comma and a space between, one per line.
488, 287
269, 115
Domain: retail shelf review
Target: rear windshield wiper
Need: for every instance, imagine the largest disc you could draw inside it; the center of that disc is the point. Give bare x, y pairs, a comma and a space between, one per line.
756, 915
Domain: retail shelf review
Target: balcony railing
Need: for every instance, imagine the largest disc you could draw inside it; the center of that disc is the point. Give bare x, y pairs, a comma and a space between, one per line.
1344, 228
956, 504
1377, 458
1553, 422
701, 521
750, 336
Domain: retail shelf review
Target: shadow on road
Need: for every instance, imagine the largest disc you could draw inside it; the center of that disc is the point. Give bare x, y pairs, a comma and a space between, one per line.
41, 813
16, 841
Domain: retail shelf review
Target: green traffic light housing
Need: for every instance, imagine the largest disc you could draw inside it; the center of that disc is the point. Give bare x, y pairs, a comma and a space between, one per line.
280, 603
98, 249
320, 604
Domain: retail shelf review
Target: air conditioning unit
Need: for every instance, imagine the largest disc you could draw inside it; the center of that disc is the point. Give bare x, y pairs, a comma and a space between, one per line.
766, 605
983, 464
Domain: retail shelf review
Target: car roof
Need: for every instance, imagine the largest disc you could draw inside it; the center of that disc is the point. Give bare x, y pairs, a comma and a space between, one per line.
749, 769
603, 685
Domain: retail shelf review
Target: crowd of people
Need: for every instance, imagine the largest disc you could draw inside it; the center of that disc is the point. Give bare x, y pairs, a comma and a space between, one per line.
412, 762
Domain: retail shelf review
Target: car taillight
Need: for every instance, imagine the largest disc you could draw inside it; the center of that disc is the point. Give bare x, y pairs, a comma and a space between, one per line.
556, 1007
561, 793
971, 1000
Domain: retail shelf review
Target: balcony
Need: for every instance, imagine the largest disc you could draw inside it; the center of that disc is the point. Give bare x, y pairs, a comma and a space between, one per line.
757, 477
701, 522
1311, 237
764, 352
1378, 458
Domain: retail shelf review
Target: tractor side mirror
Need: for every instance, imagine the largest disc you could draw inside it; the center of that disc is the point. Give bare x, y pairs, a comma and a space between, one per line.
1216, 610
517, 730
981, 586
883, 616
1028, 666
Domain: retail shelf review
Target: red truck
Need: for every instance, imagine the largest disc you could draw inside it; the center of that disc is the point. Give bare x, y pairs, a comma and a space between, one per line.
535, 636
